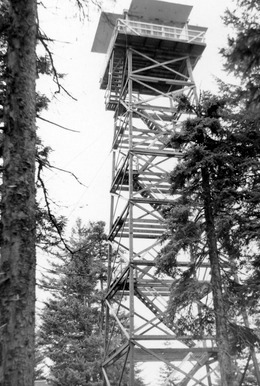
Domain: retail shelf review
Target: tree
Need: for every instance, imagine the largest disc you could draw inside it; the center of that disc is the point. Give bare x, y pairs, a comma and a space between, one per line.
215, 217
165, 376
243, 59
71, 333
18, 148
242, 54
18, 71
39, 362
17, 266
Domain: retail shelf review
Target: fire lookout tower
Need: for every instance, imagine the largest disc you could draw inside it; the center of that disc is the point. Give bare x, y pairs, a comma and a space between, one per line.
151, 52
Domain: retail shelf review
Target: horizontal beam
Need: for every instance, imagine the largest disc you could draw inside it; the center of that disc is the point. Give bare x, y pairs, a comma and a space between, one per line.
158, 153
165, 80
172, 337
172, 354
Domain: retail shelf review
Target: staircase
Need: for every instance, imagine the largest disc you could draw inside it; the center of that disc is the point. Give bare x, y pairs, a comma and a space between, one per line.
159, 314
115, 82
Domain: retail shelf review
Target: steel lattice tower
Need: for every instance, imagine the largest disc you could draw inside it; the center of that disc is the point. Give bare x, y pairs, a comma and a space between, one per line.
151, 53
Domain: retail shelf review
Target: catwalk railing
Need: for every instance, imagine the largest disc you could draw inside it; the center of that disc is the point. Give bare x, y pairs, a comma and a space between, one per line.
161, 31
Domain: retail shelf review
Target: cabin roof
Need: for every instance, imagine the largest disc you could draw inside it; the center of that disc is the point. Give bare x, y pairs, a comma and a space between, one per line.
150, 11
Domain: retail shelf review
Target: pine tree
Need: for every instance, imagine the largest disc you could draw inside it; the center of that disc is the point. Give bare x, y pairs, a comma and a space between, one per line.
70, 331
243, 60
17, 264
39, 362
242, 54
18, 108
216, 217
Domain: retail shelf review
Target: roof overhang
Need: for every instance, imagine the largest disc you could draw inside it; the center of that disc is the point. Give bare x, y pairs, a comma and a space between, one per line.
151, 11
106, 26
161, 12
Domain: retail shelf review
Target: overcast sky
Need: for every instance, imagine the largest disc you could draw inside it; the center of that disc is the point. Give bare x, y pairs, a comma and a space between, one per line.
87, 154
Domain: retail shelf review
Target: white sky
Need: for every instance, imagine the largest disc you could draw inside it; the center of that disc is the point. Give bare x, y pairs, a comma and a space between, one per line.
87, 154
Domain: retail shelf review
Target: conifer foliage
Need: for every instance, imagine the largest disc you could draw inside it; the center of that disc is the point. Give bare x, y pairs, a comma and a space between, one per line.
242, 54
70, 335
215, 218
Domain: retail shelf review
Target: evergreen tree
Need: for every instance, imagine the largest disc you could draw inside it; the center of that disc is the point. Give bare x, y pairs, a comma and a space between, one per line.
39, 362
242, 54
17, 264
243, 59
71, 333
18, 108
216, 217
165, 376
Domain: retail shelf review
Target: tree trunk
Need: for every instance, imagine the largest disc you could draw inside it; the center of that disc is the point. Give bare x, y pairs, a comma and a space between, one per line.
225, 360
17, 264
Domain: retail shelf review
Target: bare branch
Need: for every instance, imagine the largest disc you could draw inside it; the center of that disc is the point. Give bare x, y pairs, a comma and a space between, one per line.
67, 171
42, 38
51, 216
56, 124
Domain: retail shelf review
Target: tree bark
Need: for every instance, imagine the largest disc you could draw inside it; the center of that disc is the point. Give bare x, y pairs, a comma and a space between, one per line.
17, 264
225, 360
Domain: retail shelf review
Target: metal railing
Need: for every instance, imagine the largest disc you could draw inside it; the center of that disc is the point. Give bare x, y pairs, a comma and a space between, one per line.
186, 34
160, 31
